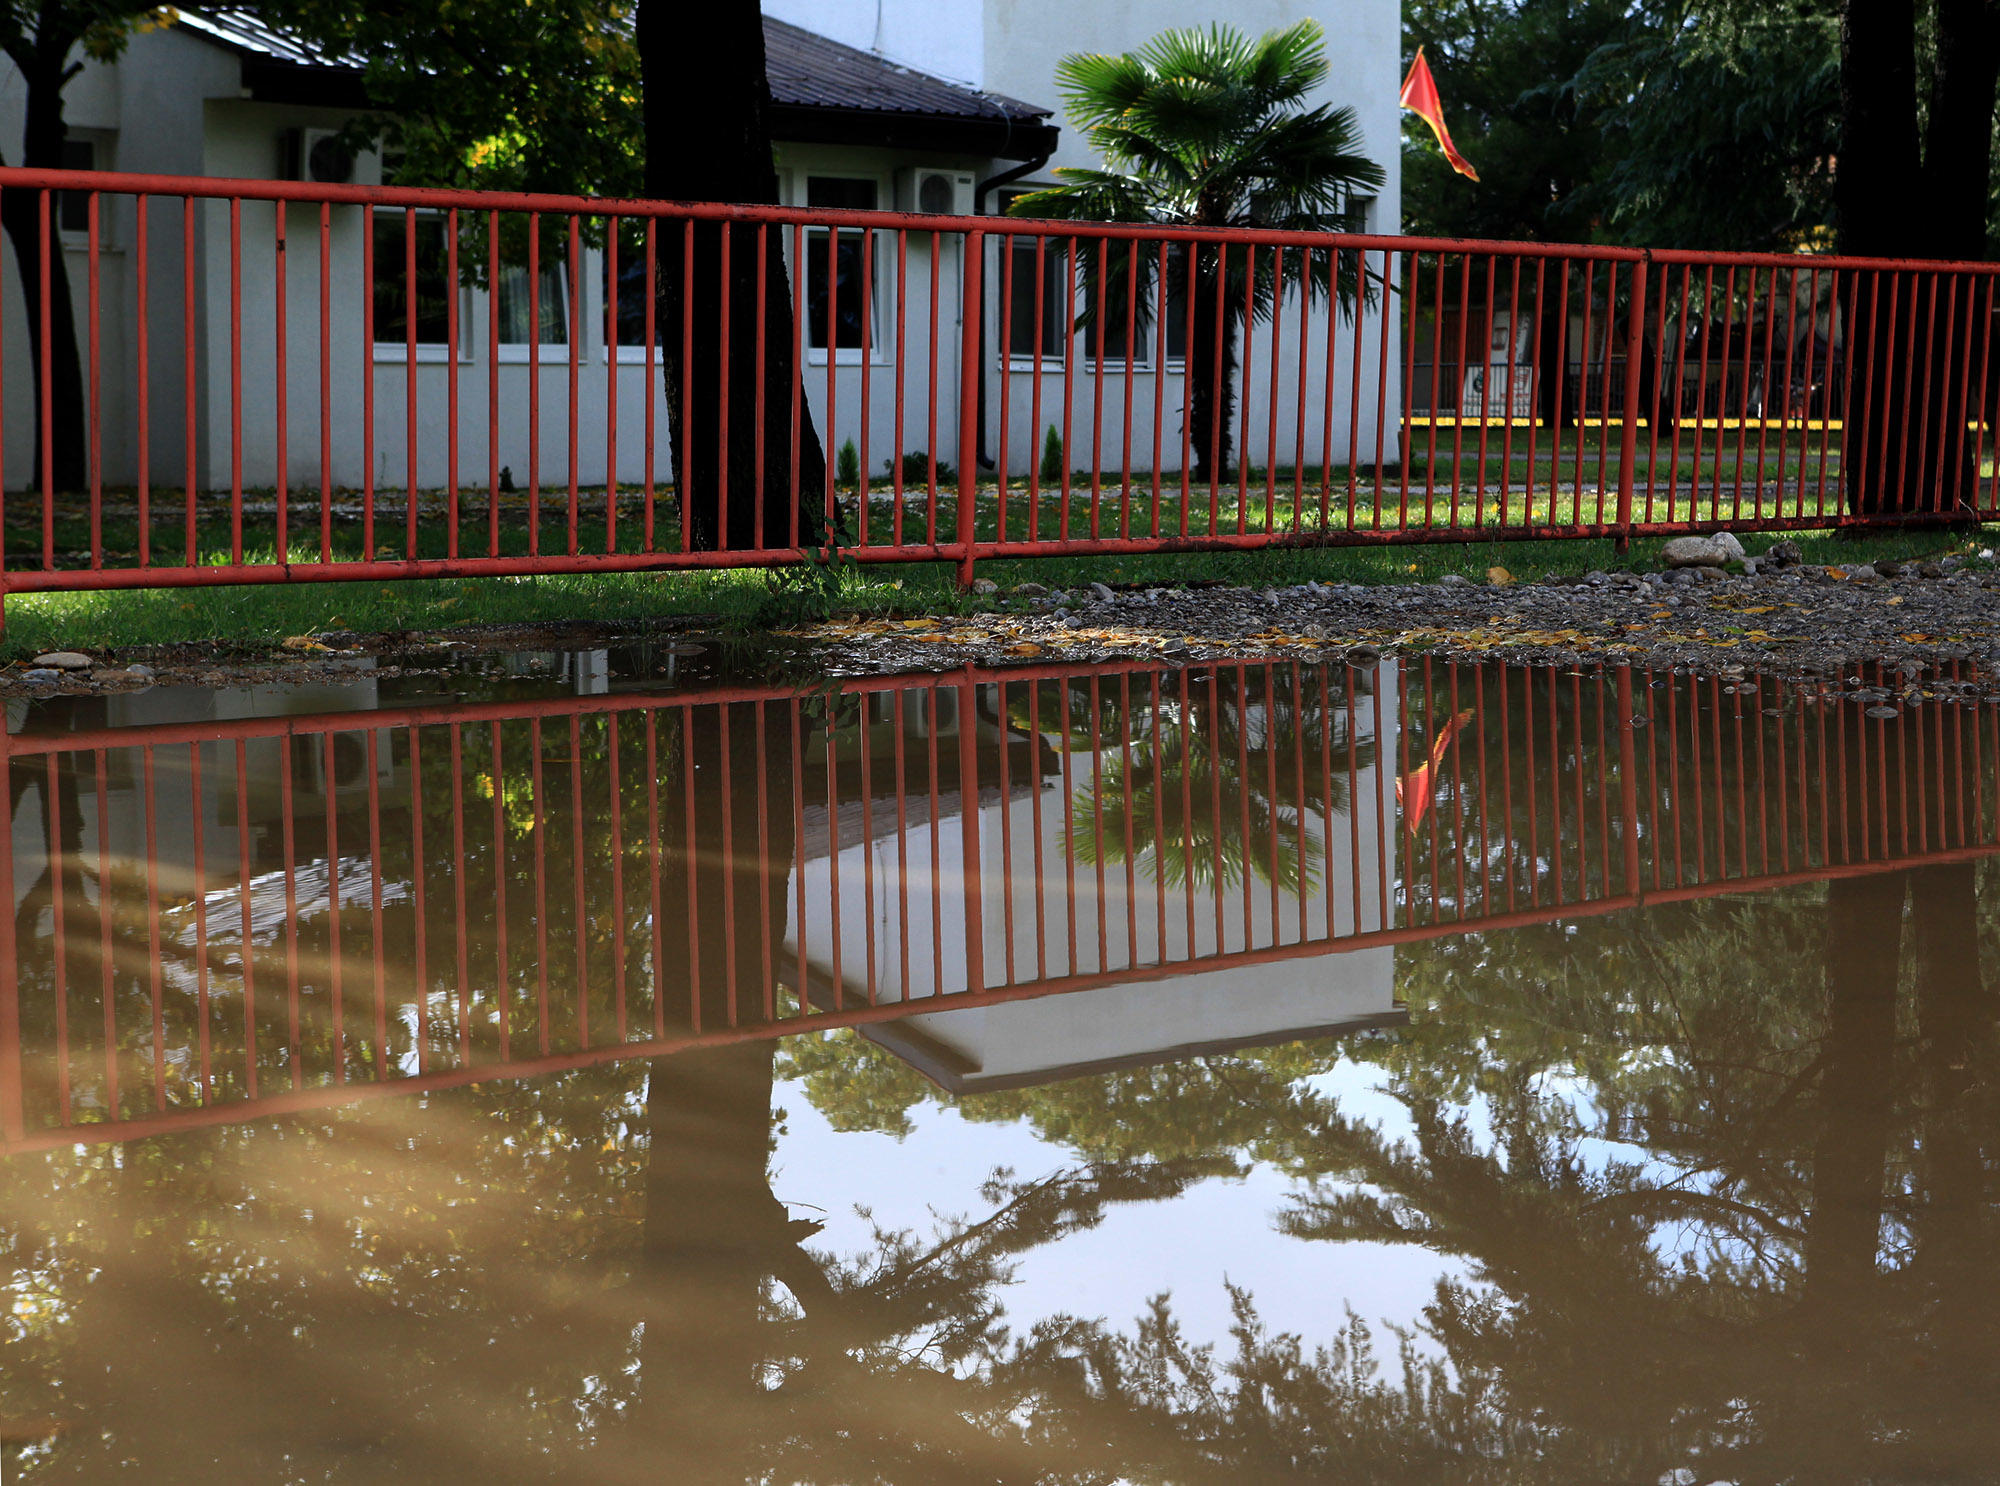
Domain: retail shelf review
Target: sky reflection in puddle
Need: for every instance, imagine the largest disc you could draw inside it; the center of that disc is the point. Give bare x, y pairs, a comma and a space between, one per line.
1625, 1034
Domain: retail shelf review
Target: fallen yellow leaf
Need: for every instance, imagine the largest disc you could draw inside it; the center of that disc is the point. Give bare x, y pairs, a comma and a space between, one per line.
1026, 647
1499, 577
1914, 639
1896, 600
304, 642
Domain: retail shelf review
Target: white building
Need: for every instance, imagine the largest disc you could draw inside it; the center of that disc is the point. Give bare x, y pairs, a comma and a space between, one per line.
897, 908
912, 104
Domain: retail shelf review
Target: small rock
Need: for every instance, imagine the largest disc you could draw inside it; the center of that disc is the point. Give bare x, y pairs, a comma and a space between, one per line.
1888, 567
1175, 646
64, 660
984, 586
1364, 655
1865, 573
146, 671
1693, 552
1731, 548
1784, 553
1708, 575
1454, 580
1102, 594
1930, 570
1883, 713
1751, 567
1029, 591
1072, 622
41, 674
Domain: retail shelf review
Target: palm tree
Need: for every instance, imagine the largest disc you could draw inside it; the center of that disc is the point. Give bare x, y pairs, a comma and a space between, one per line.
1210, 128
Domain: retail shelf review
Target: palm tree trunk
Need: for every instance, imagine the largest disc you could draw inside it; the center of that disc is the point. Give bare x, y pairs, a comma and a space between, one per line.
1211, 371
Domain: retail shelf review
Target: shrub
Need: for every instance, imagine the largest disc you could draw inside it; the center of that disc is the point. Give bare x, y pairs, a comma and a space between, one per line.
847, 465
917, 469
1052, 457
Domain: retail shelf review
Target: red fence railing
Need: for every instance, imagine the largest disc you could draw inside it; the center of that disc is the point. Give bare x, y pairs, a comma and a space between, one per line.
225, 381
218, 919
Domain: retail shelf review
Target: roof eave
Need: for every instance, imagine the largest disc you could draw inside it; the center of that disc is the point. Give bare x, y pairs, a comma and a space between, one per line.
999, 139
311, 85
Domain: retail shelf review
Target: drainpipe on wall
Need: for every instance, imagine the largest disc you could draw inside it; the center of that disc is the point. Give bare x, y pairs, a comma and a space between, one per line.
979, 194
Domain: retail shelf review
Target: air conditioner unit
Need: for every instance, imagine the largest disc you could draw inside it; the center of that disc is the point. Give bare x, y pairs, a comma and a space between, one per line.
318, 155
350, 772
942, 193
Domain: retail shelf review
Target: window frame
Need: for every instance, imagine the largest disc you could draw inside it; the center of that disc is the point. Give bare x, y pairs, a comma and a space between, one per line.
397, 352
881, 312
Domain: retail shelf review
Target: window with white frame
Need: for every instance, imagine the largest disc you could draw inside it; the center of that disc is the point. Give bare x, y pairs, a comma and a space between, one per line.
1121, 282
401, 295
843, 273
72, 208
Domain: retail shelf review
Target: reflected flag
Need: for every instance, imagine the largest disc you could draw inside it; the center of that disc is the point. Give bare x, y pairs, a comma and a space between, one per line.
1416, 789
1420, 97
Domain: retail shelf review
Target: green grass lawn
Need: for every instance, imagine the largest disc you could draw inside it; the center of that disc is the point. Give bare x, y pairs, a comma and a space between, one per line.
259, 617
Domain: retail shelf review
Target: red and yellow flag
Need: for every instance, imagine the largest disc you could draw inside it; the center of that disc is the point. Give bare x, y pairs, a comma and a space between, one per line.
1420, 97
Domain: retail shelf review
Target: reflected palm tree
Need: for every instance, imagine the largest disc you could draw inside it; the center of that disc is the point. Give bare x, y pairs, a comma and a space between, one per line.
1202, 781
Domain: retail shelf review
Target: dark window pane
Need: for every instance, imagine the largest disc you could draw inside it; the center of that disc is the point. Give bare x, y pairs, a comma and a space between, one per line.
852, 300
630, 300
73, 207
840, 193
393, 284
1021, 310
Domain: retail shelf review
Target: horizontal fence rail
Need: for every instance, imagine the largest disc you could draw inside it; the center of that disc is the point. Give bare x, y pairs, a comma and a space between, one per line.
222, 381
221, 919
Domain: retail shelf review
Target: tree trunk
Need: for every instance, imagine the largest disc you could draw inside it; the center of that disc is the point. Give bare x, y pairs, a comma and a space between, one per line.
20, 218
707, 111
714, 1233
1211, 372
1913, 388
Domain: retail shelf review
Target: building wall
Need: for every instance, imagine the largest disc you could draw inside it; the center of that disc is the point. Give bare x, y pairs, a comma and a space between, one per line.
185, 95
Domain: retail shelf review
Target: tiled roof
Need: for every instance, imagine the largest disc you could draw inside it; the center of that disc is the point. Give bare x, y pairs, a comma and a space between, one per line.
806, 71
243, 30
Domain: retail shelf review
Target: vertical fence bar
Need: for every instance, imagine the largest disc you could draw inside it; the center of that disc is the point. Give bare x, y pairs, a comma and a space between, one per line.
970, 374
1628, 437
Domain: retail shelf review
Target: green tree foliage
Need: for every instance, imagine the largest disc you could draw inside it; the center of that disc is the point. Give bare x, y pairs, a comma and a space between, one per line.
1721, 126
542, 97
1673, 123
1210, 128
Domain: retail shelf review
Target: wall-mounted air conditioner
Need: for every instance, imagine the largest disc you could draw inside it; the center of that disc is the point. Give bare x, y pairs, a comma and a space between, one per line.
943, 193
318, 155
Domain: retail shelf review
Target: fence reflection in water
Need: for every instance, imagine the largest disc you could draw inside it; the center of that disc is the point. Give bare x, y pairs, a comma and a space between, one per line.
214, 920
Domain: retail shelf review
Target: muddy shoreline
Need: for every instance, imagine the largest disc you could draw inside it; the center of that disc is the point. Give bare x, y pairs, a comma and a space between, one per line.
1805, 620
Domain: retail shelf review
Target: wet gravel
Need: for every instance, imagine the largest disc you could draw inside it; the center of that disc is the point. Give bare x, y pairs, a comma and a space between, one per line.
1804, 618
1799, 620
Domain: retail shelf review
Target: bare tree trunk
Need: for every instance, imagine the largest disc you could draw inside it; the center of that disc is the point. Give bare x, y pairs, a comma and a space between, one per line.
42, 62
1905, 448
714, 1233
707, 111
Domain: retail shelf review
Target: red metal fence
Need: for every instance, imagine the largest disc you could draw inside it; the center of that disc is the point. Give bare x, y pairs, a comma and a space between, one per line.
288, 382
219, 919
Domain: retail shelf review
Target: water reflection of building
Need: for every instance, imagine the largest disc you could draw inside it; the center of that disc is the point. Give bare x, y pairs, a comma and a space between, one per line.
194, 793
1271, 880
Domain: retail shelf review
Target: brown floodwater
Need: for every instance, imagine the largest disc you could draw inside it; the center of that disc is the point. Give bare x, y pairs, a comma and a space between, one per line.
618, 1065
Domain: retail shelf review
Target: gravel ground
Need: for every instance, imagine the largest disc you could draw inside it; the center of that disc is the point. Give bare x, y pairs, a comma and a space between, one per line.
1799, 620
